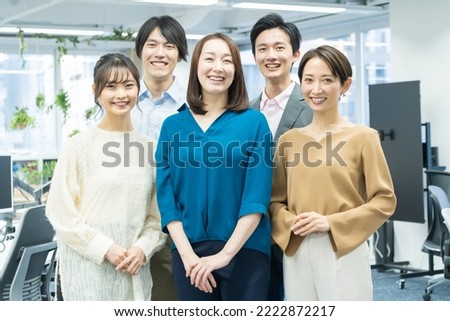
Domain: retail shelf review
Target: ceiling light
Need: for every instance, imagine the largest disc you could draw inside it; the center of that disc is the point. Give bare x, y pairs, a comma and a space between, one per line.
179, 2
194, 37
275, 7
66, 32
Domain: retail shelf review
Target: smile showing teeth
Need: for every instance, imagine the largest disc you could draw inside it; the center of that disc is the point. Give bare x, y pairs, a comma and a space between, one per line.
317, 100
272, 65
213, 78
159, 63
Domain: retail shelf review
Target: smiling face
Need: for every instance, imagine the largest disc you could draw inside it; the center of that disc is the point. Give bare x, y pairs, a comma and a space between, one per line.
159, 57
215, 68
120, 93
274, 55
321, 89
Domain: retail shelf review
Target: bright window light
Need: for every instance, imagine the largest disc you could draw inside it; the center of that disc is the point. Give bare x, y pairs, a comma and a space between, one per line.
275, 7
186, 3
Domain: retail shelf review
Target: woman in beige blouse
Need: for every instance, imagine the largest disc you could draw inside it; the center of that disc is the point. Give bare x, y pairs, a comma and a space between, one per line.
331, 191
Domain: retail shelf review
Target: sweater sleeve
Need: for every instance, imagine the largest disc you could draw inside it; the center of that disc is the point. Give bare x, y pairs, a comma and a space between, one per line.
281, 218
62, 207
151, 238
351, 228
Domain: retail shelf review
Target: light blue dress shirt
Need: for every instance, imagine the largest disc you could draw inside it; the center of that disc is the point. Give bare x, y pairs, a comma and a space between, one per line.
149, 114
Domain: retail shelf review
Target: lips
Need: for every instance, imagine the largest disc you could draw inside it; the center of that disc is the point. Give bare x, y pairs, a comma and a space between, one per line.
272, 65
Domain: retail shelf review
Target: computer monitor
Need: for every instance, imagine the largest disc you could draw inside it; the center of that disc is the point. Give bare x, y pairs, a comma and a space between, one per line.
6, 184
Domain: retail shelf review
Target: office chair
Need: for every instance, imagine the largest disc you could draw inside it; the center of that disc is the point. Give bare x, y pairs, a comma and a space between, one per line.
440, 179
440, 235
26, 261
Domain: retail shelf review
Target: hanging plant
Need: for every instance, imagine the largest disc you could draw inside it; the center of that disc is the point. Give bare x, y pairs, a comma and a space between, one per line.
91, 112
40, 103
62, 101
21, 119
22, 46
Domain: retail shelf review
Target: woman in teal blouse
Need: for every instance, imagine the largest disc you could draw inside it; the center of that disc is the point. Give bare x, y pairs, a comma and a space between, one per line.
214, 170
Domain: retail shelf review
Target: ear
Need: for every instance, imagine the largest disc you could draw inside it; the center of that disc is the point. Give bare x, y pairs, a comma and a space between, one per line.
93, 89
347, 85
296, 55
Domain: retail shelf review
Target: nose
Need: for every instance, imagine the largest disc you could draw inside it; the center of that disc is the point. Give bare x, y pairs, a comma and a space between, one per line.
159, 50
218, 65
271, 53
121, 92
316, 87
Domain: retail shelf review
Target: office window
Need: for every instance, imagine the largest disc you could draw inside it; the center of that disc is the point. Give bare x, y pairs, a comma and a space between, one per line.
20, 84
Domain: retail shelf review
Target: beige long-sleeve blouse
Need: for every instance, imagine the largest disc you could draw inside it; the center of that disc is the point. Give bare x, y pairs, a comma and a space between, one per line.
343, 175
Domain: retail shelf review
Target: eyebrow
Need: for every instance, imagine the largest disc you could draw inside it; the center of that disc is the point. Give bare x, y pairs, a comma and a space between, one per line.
275, 43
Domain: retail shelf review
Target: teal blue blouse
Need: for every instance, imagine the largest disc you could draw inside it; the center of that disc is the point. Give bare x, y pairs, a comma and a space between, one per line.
209, 180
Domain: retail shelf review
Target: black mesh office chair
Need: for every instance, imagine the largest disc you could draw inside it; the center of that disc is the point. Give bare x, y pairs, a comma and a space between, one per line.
21, 277
438, 234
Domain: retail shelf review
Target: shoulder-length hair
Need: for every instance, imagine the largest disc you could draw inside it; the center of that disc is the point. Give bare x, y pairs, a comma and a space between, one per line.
237, 93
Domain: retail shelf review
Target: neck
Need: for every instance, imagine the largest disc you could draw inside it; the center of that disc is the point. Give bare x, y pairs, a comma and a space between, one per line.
116, 123
156, 87
215, 103
274, 87
323, 122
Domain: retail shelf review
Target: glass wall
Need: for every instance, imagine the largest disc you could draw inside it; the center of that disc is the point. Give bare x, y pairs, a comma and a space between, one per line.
43, 77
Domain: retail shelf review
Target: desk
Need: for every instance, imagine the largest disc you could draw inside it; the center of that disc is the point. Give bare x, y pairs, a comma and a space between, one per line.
6, 245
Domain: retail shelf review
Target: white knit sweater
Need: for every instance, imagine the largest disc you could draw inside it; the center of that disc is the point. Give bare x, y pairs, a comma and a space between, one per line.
103, 192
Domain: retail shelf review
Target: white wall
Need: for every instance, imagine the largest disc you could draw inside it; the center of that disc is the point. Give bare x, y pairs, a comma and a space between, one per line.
420, 36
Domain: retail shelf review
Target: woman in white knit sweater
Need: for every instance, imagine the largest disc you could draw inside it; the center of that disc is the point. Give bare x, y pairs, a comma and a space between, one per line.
102, 198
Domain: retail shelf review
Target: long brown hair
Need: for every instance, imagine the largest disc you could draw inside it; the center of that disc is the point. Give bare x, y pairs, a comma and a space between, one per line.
237, 93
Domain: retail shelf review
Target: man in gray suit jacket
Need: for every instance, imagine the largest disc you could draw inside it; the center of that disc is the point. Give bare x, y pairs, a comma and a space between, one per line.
276, 47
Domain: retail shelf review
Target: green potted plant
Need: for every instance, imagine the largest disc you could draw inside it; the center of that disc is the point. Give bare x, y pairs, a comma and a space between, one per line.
22, 119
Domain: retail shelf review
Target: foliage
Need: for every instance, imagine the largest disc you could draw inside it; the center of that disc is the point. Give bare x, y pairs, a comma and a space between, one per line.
62, 101
73, 132
118, 34
91, 112
21, 119
32, 175
40, 103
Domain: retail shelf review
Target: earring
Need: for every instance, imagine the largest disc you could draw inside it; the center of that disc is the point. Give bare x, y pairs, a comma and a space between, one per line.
343, 94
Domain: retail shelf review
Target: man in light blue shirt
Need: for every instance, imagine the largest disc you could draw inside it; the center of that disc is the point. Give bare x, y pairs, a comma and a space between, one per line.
160, 44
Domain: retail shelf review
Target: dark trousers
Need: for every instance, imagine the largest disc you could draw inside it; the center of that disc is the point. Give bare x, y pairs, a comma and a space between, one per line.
161, 268
245, 278
276, 287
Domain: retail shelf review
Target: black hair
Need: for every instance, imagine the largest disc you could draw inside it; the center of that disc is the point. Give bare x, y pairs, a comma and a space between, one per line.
169, 28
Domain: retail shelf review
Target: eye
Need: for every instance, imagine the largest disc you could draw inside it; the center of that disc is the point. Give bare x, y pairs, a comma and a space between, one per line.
261, 49
170, 46
228, 61
110, 86
280, 48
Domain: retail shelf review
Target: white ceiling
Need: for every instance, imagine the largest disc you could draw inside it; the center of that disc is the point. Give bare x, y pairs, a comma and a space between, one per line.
129, 14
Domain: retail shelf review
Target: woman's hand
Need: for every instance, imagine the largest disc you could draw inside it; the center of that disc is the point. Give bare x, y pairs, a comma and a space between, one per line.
310, 222
201, 275
116, 254
133, 262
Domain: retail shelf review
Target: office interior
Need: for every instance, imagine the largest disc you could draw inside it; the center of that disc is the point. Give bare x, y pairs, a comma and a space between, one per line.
386, 41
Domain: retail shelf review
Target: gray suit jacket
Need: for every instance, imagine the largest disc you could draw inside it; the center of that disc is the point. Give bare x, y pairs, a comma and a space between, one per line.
296, 114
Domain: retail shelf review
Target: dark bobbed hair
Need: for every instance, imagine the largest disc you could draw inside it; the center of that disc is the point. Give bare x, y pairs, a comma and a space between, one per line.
274, 20
116, 65
170, 28
338, 63
237, 93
